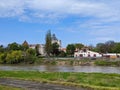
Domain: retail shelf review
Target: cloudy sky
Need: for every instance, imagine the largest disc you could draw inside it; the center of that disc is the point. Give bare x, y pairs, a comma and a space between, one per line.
73, 21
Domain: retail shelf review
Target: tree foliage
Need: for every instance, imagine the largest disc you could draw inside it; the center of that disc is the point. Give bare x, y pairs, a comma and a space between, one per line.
70, 49
48, 44
55, 49
79, 46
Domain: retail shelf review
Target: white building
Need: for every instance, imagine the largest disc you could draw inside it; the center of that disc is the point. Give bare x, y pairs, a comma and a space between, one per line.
87, 53
41, 48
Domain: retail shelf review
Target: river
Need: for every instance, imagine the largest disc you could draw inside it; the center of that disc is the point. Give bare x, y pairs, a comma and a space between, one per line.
88, 69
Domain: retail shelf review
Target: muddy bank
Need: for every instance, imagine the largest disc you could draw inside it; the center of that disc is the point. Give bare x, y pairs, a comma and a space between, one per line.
32, 85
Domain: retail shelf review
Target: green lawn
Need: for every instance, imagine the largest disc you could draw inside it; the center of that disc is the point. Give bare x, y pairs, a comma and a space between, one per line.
8, 88
99, 81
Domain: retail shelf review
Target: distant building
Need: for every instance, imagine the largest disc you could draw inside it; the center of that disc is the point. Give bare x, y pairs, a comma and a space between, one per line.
55, 40
86, 53
41, 48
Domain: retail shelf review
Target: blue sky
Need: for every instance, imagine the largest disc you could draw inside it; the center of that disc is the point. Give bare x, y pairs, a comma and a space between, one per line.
73, 21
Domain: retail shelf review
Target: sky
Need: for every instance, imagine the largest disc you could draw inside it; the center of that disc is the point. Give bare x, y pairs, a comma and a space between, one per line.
73, 21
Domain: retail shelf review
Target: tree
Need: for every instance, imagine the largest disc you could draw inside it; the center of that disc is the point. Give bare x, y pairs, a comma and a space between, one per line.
109, 46
79, 46
48, 43
55, 49
14, 57
70, 49
14, 46
2, 49
101, 48
62, 54
31, 52
116, 48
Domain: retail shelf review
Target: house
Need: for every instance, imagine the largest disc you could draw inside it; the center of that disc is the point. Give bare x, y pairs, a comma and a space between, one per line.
85, 52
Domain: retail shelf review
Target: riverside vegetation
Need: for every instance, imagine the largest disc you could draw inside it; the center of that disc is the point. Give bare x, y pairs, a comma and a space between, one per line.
96, 81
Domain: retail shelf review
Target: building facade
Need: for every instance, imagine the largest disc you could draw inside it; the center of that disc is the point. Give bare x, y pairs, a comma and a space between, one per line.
41, 48
86, 53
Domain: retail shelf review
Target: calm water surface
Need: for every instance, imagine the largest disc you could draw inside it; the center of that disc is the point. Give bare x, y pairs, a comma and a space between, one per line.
64, 68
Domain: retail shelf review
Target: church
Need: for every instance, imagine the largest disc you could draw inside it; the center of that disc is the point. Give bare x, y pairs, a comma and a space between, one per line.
42, 46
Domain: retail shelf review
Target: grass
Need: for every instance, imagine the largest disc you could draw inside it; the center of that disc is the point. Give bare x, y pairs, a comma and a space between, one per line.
8, 88
97, 81
107, 63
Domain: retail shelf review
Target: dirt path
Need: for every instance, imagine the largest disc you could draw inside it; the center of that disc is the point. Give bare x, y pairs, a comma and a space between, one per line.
31, 85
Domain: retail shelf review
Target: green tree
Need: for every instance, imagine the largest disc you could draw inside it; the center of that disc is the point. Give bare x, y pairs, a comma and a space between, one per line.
14, 57
62, 54
109, 46
48, 43
30, 56
70, 49
14, 46
3, 58
31, 52
2, 49
116, 48
101, 48
79, 46
55, 49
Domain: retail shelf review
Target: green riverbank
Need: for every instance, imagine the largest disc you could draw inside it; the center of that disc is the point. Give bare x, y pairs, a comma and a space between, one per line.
96, 81
82, 62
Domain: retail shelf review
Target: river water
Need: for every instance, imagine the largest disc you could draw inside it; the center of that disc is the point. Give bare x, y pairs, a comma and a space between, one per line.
88, 69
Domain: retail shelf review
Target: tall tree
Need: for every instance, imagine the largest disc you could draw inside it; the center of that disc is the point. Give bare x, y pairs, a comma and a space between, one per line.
70, 49
48, 43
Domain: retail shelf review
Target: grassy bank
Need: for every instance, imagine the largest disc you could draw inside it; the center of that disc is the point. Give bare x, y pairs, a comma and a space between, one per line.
107, 63
98, 81
8, 88
82, 62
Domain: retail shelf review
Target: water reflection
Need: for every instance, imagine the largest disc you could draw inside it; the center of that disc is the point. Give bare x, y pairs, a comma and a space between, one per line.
64, 68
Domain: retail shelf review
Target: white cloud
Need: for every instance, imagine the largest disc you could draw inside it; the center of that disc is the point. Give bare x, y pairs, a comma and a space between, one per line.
104, 15
11, 8
58, 8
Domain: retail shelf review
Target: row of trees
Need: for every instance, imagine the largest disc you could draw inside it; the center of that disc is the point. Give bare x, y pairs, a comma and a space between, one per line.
107, 47
15, 53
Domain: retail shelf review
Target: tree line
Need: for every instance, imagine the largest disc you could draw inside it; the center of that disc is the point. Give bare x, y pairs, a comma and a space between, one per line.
15, 53
107, 47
